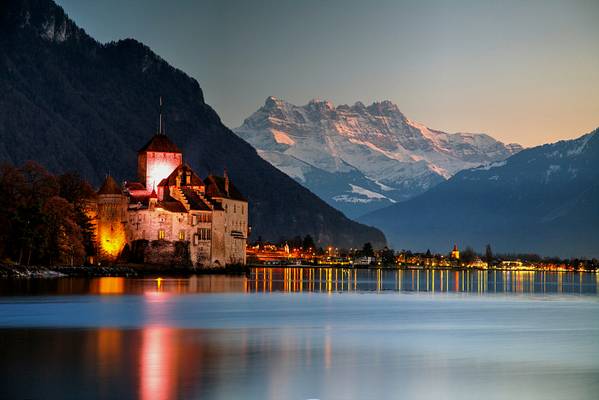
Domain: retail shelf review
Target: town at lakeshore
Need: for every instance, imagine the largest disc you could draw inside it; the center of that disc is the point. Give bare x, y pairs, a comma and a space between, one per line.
303, 252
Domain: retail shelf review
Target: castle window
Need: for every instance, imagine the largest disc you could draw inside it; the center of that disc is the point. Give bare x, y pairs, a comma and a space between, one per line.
234, 208
181, 235
194, 219
242, 210
161, 234
195, 239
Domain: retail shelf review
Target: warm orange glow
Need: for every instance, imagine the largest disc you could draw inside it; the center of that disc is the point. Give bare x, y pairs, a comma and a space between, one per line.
111, 285
111, 236
109, 349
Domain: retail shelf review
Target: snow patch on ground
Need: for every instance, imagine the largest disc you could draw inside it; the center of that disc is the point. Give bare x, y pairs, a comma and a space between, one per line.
435, 168
364, 196
492, 165
344, 198
368, 193
551, 170
282, 137
579, 149
383, 187
424, 130
371, 146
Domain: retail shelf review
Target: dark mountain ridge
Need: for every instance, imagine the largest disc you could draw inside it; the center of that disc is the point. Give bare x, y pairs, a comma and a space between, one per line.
72, 103
544, 199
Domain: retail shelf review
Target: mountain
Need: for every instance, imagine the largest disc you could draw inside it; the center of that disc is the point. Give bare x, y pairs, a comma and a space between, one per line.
544, 199
361, 158
72, 103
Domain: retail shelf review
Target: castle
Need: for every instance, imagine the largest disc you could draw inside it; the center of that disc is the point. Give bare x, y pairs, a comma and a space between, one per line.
171, 215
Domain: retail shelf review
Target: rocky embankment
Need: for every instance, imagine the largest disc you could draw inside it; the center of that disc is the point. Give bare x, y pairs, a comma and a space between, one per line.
11, 271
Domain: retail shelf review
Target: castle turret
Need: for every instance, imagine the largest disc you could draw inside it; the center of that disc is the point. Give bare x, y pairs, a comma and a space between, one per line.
112, 208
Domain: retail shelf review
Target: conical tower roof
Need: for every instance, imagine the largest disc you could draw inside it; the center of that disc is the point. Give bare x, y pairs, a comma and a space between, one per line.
110, 186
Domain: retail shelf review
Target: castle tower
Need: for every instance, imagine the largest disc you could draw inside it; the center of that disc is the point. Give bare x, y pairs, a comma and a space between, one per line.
158, 158
112, 208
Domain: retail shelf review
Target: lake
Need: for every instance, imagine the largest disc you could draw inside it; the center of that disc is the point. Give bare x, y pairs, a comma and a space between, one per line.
293, 333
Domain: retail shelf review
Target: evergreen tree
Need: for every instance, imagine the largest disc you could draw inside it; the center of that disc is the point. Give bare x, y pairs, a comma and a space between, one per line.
468, 255
367, 250
488, 254
388, 257
308, 243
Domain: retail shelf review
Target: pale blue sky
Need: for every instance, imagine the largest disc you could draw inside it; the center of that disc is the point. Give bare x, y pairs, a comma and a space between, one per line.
522, 71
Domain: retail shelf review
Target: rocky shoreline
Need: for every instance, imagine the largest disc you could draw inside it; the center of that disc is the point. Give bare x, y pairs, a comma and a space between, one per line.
11, 271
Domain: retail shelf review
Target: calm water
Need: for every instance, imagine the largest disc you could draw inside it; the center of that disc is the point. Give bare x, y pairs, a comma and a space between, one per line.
303, 334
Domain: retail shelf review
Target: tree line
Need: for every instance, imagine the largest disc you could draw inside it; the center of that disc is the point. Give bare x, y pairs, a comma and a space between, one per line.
43, 217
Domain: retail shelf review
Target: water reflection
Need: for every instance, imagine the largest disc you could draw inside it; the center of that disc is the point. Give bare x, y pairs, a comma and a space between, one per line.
157, 363
163, 343
117, 285
420, 280
321, 280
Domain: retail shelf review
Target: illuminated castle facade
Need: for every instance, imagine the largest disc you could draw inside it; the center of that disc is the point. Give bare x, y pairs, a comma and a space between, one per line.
171, 215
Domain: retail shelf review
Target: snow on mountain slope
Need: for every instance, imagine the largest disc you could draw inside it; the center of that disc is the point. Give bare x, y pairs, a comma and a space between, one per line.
544, 199
372, 147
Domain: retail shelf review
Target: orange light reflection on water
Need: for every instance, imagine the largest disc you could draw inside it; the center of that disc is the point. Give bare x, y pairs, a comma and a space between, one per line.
158, 364
108, 285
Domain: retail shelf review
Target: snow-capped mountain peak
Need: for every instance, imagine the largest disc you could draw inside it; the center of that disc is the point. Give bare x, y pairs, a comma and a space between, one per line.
352, 143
